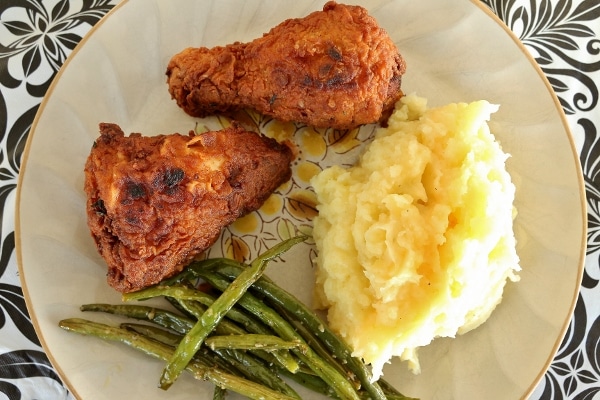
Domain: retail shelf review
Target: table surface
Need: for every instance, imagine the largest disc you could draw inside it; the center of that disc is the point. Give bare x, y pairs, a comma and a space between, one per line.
36, 36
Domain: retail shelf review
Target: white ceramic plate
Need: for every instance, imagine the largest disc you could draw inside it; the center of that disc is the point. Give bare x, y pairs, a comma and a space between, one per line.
456, 51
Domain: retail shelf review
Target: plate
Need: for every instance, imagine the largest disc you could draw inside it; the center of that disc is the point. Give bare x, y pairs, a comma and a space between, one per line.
455, 51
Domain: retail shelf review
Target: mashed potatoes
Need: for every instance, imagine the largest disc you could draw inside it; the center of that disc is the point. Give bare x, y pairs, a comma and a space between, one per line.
416, 241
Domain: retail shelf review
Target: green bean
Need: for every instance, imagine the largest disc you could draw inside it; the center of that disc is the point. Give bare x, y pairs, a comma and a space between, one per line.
192, 341
177, 291
243, 290
391, 392
219, 393
184, 298
317, 346
178, 307
159, 316
256, 371
172, 339
229, 329
310, 381
189, 272
338, 347
250, 342
183, 292
164, 352
166, 319
329, 373
226, 328
398, 396
183, 325
294, 309
153, 332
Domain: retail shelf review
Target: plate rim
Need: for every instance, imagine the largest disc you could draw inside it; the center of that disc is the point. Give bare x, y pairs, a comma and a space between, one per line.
580, 182
478, 4
24, 162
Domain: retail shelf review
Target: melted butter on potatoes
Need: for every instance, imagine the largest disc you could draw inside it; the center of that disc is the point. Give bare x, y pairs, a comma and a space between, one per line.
416, 240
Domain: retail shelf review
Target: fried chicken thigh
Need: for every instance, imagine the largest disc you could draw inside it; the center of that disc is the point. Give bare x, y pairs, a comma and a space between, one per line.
155, 203
334, 68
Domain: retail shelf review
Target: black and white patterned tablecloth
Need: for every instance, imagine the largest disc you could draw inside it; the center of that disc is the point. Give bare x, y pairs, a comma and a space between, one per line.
36, 36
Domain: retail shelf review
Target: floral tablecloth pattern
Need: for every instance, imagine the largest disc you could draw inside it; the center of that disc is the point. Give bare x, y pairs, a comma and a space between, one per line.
37, 36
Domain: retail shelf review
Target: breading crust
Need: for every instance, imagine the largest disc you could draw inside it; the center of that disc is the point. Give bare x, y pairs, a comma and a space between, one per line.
155, 203
333, 68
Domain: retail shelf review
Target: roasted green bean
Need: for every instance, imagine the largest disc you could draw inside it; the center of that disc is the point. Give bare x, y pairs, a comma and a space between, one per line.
192, 341
330, 374
154, 332
228, 328
164, 352
159, 316
251, 342
253, 369
184, 292
253, 329
219, 393
286, 301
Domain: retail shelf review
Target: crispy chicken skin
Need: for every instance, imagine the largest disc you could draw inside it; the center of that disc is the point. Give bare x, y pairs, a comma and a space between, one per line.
155, 203
334, 68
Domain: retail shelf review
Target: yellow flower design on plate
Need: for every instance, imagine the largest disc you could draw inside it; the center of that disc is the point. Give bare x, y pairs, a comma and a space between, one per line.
290, 209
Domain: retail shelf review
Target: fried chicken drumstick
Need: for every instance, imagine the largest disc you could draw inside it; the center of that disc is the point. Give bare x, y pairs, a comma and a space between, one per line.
334, 68
155, 203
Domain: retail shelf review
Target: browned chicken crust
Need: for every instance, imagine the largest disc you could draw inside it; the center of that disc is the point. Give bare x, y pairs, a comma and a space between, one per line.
334, 68
155, 203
